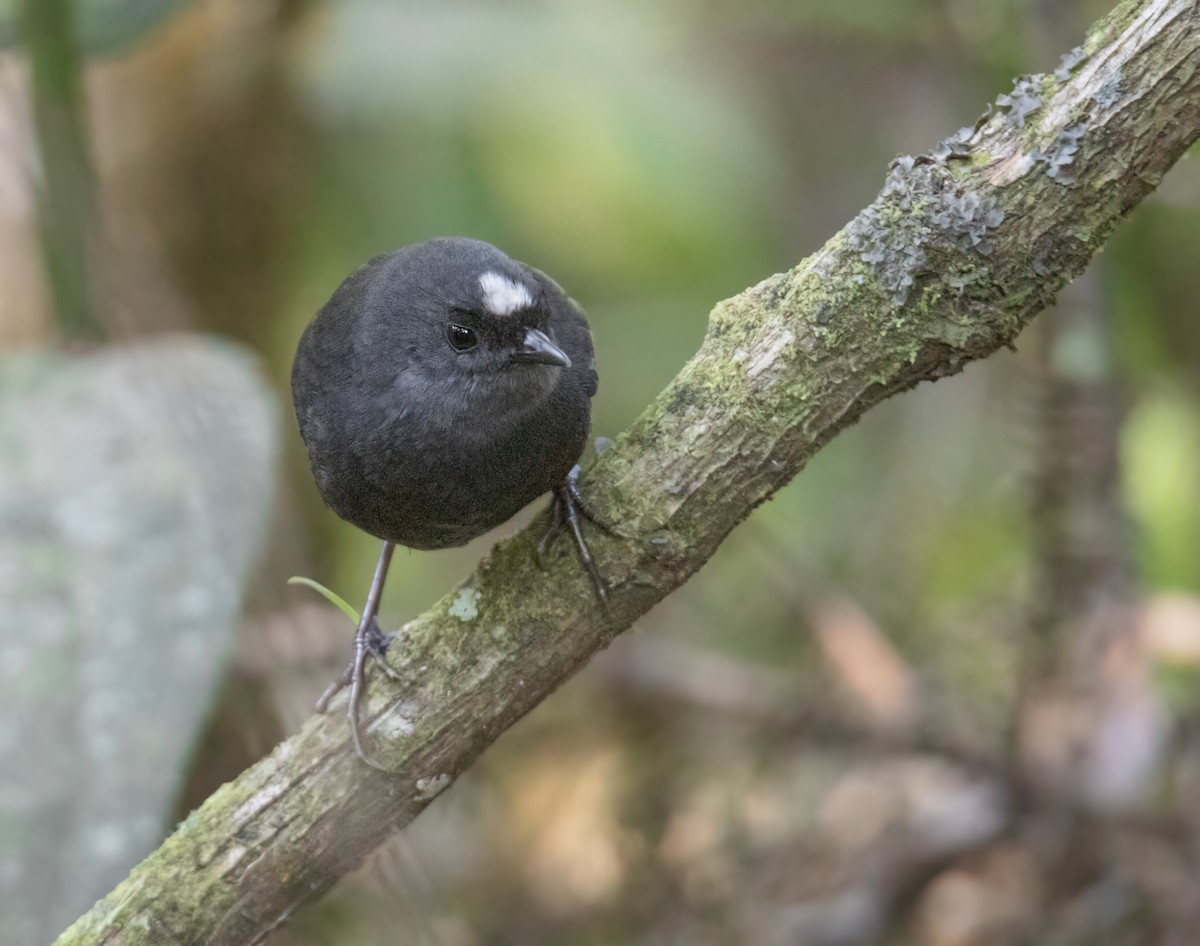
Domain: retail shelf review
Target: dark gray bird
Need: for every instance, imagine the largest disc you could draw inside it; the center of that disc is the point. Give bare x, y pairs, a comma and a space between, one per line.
441, 389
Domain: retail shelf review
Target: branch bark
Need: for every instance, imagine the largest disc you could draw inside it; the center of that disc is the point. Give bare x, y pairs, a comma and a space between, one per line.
961, 248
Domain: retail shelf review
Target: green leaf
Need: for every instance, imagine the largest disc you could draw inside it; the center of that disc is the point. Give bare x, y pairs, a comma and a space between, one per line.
101, 26
335, 599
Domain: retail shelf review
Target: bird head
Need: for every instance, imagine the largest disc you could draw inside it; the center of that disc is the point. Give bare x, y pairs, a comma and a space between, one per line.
504, 326
462, 308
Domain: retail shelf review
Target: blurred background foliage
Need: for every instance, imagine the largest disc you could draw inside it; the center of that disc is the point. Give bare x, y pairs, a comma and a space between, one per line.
1007, 559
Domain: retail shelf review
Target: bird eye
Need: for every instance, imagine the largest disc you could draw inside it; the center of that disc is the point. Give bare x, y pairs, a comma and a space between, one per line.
460, 337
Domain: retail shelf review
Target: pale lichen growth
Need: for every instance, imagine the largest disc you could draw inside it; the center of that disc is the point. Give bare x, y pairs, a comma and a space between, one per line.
919, 205
428, 788
1110, 93
397, 724
1068, 62
1026, 97
466, 605
956, 146
1061, 154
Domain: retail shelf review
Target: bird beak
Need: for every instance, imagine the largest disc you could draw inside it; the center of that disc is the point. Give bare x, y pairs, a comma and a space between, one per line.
537, 349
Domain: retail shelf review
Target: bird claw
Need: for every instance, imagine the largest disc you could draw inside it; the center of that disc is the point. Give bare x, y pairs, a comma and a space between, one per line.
369, 643
376, 643
567, 509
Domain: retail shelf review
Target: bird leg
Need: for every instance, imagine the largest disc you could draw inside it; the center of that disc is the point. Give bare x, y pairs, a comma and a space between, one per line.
369, 641
567, 509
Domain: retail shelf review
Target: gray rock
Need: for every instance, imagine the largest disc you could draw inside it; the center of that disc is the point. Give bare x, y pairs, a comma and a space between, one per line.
134, 490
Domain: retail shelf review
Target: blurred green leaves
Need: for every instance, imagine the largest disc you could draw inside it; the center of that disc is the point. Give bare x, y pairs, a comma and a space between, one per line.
1161, 457
584, 142
103, 26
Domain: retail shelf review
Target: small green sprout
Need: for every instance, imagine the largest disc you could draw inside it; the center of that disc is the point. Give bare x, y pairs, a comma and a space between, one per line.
333, 598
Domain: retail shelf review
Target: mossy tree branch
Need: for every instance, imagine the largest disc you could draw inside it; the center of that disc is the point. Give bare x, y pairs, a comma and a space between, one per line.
961, 248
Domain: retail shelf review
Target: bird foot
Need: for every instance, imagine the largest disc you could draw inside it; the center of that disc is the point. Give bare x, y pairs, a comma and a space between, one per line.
369, 643
567, 510
376, 643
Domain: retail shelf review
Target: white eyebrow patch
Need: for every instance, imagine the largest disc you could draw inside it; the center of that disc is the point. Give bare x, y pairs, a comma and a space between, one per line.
502, 296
